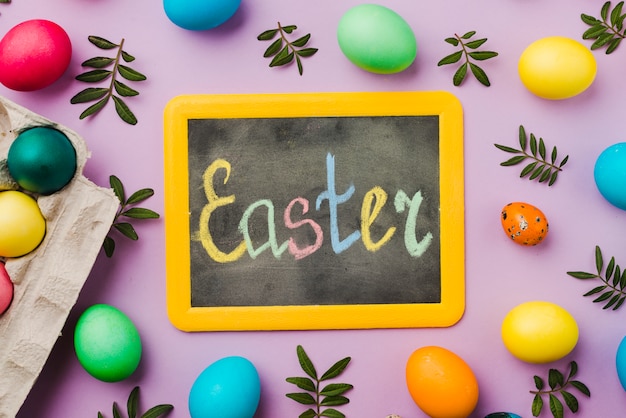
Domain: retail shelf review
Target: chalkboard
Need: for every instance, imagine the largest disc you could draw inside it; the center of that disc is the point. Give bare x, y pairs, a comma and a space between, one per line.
314, 211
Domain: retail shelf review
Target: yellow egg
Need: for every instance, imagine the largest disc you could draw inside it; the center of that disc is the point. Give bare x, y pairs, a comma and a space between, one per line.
557, 67
441, 383
22, 226
539, 332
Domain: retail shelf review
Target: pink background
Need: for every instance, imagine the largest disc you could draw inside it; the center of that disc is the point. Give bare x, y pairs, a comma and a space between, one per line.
499, 274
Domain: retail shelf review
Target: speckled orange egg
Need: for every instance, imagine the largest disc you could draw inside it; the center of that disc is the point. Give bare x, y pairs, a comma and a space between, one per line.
524, 223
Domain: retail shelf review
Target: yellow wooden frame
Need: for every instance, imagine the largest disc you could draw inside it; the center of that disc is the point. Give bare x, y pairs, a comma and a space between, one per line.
452, 237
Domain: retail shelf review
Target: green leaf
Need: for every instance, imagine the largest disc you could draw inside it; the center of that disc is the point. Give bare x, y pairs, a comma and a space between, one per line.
616, 13
124, 112
302, 398
450, 59
303, 383
507, 149
130, 74
127, 57
617, 275
538, 382
331, 413
573, 369
609, 269
556, 407
89, 94
100, 415
157, 411
101, 42
459, 75
555, 378
290, 28
544, 176
452, 41
336, 369
140, 196
109, 246
118, 188
98, 62
127, 230
528, 169
522, 138
94, 108
300, 42
273, 48
116, 411
140, 213
570, 401
305, 363
335, 389
581, 387
513, 161
595, 31
595, 290
306, 52
133, 402
589, 20
334, 401
604, 12
94, 76
553, 178
599, 261
299, 63
282, 61
542, 149
537, 405
309, 413
124, 90
613, 45
267, 35
533, 145
538, 172
469, 34
483, 55
475, 44
619, 303
612, 301
604, 296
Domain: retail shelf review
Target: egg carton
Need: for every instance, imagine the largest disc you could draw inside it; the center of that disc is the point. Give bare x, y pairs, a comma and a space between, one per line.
48, 280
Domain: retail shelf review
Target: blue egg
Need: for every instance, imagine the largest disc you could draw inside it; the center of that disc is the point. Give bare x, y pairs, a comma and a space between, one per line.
503, 415
228, 388
200, 14
610, 174
620, 362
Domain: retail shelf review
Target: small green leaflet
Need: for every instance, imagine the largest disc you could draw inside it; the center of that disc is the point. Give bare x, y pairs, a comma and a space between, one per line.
539, 168
128, 210
558, 385
469, 53
319, 395
132, 408
608, 31
612, 291
284, 52
107, 68
5, 1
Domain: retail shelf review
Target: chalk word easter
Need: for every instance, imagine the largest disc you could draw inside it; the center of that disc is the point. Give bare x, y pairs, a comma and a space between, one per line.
373, 203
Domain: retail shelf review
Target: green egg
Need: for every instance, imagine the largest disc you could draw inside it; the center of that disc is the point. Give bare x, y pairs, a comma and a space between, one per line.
42, 160
376, 39
107, 343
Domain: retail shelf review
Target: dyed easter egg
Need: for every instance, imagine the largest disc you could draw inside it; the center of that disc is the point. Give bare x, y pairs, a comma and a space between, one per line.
22, 226
228, 388
610, 174
33, 55
557, 68
524, 223
620, 362
42, 160
376, 39
539, 332
200, 14
107, 343
502, 415
6, 289
435, 376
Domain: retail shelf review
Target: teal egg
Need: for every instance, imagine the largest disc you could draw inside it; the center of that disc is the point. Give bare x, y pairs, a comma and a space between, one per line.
200, 14
376, 39
610, 174
228, 388
502, 415
107, 343
620, 362
42, 160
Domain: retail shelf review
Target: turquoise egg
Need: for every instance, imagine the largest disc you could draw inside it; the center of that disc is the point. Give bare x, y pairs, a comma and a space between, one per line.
228, 388
620, 362
502, 415
107, 343
200, 14
376, 39
42, 160
610, 174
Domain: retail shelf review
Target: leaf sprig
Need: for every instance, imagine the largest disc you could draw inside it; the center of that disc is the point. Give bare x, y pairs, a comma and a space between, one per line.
132, 406
613, 291
539, 168
608, 31
558, 385
116, 89
320, 397
283, 51
468, 55
129, 212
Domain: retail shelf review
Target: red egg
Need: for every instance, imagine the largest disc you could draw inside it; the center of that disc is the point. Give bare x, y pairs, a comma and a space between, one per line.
33, 55
6, 290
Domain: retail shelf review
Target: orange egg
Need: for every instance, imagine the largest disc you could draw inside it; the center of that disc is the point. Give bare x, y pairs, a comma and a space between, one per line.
524, 223
441, 383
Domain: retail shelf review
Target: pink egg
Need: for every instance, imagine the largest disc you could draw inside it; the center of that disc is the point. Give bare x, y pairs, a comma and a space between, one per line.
6, 290
33, 55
